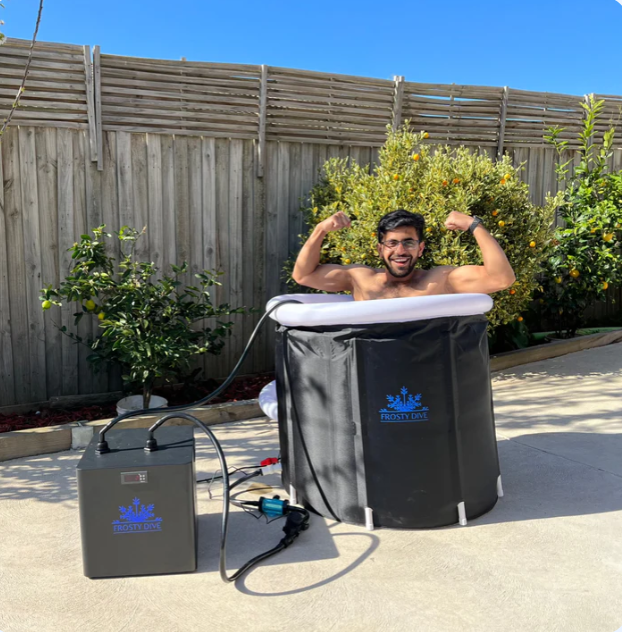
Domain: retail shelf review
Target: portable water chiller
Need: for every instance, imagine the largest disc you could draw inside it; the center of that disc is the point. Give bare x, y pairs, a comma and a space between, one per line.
138, 509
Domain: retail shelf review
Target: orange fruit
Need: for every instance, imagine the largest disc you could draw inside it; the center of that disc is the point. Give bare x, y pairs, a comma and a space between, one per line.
532, 244
512, 292
502, 181
520, 319
445, 183
495, 213
558, 279
605, 285
456, 180
416, 157
426, 135
608, 236
574, 273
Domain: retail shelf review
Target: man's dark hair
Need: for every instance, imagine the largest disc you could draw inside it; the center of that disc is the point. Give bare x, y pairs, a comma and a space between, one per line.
399, 218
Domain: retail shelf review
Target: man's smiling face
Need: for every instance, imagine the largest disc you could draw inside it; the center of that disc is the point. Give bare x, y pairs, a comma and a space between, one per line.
399, 251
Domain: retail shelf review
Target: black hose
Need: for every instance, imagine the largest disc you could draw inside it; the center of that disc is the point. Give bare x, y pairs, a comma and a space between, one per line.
102, 446
297, 520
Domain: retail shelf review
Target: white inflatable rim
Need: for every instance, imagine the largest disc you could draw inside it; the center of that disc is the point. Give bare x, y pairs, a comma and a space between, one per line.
318, 310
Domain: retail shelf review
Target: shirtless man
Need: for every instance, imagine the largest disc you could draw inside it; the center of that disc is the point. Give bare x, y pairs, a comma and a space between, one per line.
400, 244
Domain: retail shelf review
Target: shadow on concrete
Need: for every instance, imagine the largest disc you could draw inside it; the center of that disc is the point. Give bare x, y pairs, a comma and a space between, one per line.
555, 474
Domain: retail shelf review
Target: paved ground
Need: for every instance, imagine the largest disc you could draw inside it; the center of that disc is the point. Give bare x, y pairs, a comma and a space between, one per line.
547, 558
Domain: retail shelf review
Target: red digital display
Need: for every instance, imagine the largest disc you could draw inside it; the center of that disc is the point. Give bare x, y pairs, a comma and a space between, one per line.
133, 477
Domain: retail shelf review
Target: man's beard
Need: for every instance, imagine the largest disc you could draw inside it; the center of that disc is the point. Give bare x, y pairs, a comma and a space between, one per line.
399, 271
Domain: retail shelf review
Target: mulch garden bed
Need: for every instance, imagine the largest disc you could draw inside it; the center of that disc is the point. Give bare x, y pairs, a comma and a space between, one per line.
242, 388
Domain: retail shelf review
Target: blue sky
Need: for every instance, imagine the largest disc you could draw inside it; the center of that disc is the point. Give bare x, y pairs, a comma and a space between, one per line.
564, 46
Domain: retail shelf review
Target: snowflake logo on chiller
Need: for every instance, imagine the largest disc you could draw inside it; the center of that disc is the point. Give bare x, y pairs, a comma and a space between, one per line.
404, 407
136, 518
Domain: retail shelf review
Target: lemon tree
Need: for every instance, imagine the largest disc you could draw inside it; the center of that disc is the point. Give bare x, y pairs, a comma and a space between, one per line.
149, 324
584, 256
435, 180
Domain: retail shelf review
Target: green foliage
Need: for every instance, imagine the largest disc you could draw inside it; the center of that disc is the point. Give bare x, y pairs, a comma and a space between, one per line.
150, 325
434, 181
584, 257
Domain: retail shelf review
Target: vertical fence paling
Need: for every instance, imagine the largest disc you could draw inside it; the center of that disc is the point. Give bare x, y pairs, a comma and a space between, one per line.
132, 141
502, 118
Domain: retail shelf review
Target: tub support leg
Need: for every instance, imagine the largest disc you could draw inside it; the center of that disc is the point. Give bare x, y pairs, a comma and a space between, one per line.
369, 519
499, 487
462, 514
293, 496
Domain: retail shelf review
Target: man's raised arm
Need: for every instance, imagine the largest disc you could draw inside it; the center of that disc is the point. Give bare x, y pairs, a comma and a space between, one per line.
309, 272
496, 274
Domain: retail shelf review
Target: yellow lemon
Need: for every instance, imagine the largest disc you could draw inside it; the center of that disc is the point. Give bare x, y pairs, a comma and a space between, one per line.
426, 135
507, 176
90, 305
396, 177
416, 157
574, 273
608, 236
561, 311
101, 316
593, 230
428, 230
501, 223
605, 285
348, 261
558, 279
46, 304
532, 244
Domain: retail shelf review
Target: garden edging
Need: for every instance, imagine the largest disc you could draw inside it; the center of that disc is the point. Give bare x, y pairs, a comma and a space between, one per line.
21, 443
553, 349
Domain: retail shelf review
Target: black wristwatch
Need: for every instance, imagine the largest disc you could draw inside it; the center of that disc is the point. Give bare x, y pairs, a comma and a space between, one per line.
476, 222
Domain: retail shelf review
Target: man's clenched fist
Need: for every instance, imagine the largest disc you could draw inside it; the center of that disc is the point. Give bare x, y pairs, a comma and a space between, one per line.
458, 221
335, 222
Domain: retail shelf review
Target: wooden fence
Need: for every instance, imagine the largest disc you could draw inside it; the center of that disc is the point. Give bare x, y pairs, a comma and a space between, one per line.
215, 160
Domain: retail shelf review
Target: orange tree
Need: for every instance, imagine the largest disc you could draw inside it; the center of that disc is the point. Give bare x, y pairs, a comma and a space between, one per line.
435, 180
149, 324
584, 257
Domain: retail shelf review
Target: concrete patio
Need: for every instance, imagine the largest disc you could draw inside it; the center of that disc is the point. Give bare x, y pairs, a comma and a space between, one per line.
548, 557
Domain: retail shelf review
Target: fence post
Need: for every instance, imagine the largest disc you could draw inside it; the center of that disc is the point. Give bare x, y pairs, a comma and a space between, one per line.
502, 118
97, 84
90, 101
397, 101
263, 100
